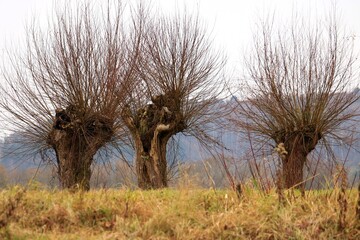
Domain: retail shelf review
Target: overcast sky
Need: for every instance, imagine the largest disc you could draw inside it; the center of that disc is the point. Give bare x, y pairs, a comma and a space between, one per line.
231, 21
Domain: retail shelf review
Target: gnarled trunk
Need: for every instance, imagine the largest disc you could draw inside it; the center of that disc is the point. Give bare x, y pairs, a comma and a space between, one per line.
74, 160
76, 142
151, 128
151, 164
293, 150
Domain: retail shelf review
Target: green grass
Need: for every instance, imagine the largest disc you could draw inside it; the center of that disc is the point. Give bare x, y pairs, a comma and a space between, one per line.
174, 214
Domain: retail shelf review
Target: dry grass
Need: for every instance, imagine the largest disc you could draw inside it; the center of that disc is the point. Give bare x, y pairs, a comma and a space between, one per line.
184, 213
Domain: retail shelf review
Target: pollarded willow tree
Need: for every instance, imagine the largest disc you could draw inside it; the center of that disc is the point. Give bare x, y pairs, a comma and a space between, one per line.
299, 91
179, 87
65, 92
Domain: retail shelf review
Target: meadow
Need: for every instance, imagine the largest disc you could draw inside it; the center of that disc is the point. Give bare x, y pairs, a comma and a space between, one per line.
177, 213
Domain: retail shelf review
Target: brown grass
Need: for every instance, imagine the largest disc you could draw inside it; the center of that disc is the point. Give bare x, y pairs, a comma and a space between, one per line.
177, 214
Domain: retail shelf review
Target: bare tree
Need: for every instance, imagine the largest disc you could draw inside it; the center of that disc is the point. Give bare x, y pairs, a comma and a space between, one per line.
298, 86
179, 88
65, 93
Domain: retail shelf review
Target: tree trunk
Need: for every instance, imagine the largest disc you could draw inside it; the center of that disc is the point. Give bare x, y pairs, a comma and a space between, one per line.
76, 142
293, 169
76, 176
293, 151
74, 160
151, 164
151, 127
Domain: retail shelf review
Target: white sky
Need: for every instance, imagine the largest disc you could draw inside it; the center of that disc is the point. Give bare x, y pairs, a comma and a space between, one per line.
231, 21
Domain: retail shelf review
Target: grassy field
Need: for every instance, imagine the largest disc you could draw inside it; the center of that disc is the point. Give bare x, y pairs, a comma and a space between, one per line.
183, 213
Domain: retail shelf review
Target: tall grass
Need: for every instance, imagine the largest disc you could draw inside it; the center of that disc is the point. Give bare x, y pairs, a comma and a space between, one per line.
184, 213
